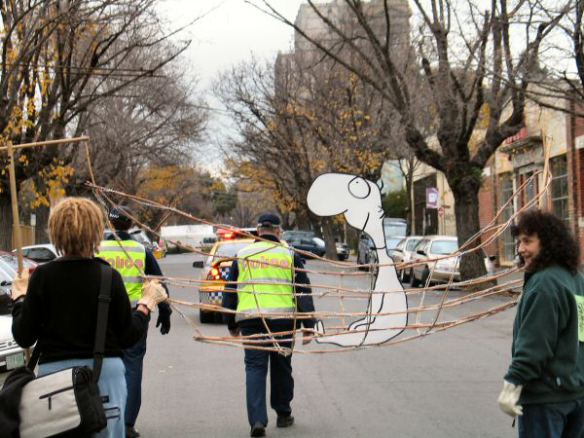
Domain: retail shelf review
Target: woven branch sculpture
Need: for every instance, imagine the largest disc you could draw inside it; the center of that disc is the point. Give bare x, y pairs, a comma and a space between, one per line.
356, 309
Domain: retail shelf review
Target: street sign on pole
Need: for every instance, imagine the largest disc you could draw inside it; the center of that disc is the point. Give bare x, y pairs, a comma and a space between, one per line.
432, 198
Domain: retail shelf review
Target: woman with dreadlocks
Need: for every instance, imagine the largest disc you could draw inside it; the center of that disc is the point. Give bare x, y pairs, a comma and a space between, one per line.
58, 307
544, 384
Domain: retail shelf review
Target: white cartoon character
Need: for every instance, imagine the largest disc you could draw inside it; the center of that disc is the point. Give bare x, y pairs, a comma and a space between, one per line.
359, 200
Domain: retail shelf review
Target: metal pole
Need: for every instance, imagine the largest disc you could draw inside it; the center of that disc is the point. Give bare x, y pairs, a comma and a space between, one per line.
14, 199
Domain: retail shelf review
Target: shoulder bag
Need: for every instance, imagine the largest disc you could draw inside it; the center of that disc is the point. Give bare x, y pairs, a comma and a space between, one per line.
64, 403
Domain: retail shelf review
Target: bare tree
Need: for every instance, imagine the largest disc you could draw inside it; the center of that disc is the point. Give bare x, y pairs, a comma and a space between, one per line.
59, 59
467, 60
272, 150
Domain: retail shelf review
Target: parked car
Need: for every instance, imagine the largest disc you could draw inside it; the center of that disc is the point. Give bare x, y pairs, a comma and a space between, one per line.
308, 241
431, 247
42, 253
342, 250
6, 277
391, 243
11, 354
393, 226
305, 241
366, 251
8, 271
403, 253
215, 272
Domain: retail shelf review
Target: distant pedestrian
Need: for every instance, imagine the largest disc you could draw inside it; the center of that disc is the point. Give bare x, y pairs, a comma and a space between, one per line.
544, 384
269, 277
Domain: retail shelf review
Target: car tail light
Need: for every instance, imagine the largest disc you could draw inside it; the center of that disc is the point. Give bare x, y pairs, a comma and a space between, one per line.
214, 274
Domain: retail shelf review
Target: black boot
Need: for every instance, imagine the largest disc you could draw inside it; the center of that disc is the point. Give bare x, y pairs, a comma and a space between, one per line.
258, 429
285, 420
131, 432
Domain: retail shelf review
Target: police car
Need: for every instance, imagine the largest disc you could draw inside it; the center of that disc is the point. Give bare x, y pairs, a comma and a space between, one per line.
215, 273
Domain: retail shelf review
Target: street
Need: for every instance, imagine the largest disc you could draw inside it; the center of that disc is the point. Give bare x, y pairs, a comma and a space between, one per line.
445, 385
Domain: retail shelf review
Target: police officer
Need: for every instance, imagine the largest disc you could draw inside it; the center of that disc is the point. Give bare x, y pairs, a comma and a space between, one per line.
271, 267
131, 259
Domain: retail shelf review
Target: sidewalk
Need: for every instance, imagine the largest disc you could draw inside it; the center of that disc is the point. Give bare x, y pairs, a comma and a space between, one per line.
510, 277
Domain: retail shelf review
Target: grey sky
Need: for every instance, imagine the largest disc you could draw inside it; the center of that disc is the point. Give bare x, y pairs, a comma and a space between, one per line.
228, 32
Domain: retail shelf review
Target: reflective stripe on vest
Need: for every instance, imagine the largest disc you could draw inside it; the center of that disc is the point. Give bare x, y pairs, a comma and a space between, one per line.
272, 267
130, 266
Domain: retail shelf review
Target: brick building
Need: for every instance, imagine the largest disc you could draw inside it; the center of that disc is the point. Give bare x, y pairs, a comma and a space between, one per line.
516, 160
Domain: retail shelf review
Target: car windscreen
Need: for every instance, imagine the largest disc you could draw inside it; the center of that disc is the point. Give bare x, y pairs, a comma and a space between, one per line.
290, 235
7, 269
39, 254
230, 249
319, 242
412, 244
444, 247
6, 274
392, 242
12, 261
141, 237
401, 244
395, 229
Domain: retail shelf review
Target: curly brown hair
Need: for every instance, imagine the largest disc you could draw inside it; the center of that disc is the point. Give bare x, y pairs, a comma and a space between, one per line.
76, 227
557, 243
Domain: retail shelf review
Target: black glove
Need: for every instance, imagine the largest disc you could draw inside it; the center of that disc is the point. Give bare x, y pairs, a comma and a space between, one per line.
163, 320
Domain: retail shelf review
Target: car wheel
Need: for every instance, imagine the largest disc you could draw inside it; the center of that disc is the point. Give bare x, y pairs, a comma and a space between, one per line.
415, 281
206, 317
361, 262
404, 277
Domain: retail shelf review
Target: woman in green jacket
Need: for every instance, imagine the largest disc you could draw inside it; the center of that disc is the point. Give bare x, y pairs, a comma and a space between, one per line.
544, 384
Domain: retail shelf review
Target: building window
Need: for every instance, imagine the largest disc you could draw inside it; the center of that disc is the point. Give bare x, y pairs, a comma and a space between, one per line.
559, 170
506, 181
529, 191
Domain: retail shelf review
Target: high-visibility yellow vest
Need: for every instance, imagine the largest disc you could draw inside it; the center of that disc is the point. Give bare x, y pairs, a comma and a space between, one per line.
128, 257
272, 267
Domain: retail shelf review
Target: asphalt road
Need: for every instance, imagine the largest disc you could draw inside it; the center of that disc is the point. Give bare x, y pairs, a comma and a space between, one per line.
444, 385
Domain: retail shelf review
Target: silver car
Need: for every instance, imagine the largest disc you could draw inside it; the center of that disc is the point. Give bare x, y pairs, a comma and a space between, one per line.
445, 268
428, 249
11, 354
42, 253
403, 253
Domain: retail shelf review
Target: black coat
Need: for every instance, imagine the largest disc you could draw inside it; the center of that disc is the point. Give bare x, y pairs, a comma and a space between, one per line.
10, 401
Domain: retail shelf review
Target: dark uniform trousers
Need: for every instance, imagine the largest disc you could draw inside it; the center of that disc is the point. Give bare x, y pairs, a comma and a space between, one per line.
256, 370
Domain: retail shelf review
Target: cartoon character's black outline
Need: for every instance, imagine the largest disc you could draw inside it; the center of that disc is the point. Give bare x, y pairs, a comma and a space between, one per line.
370, 318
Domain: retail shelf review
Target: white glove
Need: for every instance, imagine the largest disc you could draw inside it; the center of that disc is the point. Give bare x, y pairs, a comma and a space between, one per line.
20, 285
152, 294
509, 397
